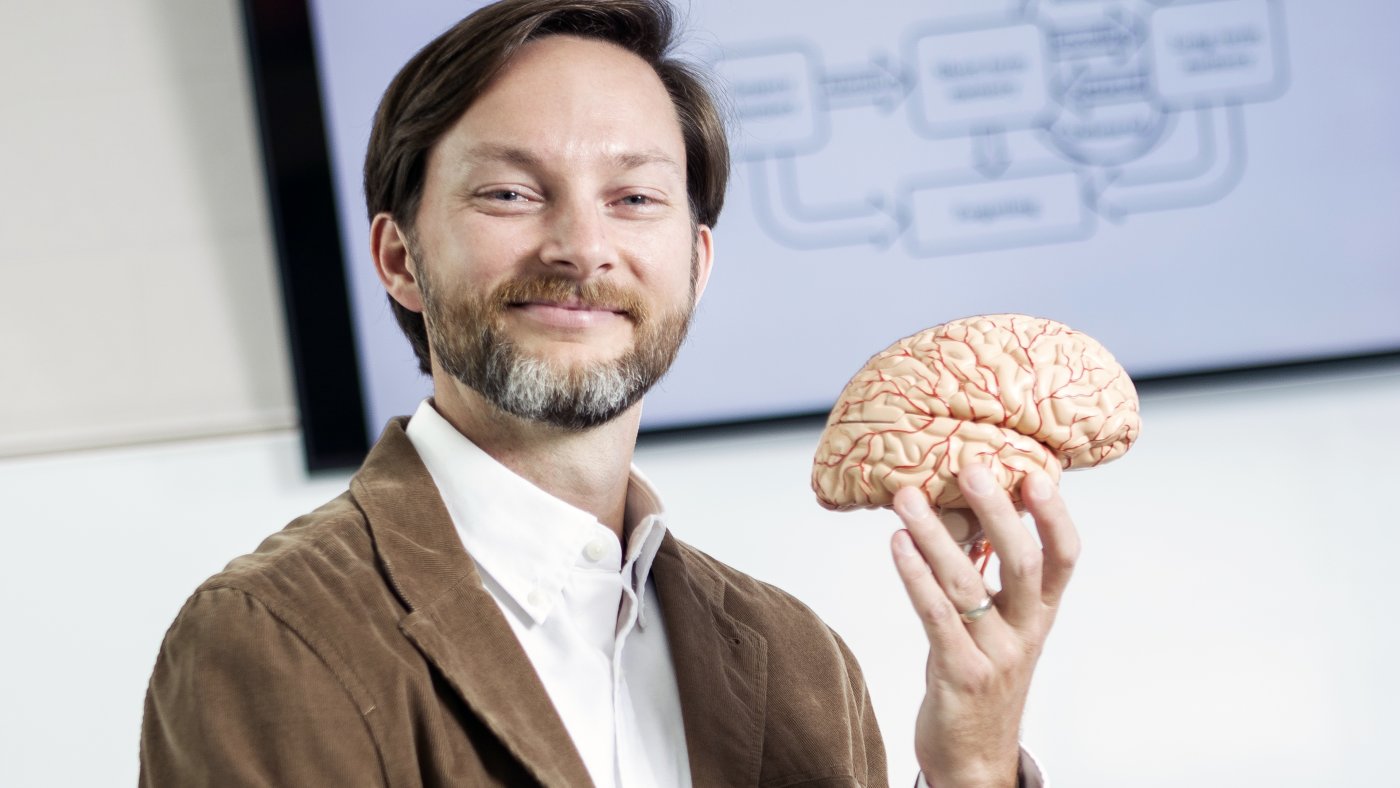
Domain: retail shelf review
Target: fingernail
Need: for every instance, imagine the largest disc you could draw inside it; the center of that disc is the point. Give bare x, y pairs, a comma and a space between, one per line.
1040, 486
904, 543
913, 504
979, 478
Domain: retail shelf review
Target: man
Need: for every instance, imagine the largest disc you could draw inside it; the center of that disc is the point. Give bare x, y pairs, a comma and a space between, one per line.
495, 600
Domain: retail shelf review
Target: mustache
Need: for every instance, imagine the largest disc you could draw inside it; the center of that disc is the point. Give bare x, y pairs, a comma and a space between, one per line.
593, 295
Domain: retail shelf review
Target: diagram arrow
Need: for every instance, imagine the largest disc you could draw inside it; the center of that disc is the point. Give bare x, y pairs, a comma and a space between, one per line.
1133, 30
1064, 90
880, 82
1087, 87
990, 155
1117, 33
791, 222
1118, 199
1199, 164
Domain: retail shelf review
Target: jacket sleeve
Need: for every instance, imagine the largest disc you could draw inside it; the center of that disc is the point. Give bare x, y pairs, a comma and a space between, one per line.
240, 698
867, 740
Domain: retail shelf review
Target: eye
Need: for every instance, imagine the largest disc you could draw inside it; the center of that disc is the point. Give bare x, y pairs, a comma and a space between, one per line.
506, 196
636, 200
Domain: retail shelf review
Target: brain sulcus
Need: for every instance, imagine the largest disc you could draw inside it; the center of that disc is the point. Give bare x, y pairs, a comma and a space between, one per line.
1011, 391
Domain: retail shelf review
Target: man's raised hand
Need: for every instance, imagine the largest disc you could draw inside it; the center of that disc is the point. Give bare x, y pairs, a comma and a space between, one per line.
979, 667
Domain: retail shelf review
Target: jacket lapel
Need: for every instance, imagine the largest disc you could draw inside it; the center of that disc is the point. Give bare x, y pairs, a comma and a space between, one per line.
721, 669
453, 620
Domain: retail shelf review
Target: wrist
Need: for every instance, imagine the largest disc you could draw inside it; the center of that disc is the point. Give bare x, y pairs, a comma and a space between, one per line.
1001, 773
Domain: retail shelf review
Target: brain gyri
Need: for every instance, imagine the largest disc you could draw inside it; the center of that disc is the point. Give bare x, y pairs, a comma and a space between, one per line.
1012, 391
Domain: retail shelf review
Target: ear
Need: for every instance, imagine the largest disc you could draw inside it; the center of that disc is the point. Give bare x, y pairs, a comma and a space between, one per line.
388, 243
704, 258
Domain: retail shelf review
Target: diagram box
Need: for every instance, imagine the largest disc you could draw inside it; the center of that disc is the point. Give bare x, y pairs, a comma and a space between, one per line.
1229, 51
776, 98
969, 80
983, 215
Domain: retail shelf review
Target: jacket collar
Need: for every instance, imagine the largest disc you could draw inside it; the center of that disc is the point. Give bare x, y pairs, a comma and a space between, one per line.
720, 662
452, 619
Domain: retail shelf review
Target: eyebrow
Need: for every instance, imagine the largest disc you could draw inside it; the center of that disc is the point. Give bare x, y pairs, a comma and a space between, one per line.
510, 154
632, 161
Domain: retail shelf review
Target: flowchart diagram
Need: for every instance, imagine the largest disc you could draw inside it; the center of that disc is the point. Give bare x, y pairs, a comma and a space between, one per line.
1066, 112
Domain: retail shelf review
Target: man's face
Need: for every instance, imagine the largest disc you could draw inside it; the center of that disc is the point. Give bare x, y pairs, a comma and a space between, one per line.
554, 248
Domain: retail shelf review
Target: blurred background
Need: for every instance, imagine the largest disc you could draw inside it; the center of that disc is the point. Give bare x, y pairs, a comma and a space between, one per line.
1225, 626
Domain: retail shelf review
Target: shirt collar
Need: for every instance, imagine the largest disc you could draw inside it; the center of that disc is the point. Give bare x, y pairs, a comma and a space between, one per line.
524, 538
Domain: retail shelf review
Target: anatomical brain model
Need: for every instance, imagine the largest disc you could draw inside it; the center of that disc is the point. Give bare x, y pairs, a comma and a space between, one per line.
1019, 392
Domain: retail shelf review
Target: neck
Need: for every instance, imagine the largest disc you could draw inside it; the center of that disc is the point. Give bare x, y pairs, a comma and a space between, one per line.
588, 469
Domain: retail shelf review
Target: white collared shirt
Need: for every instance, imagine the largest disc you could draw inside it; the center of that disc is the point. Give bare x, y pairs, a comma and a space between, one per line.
586, 615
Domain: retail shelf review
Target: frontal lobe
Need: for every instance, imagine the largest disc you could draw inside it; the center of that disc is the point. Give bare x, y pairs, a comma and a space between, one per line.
1018, 392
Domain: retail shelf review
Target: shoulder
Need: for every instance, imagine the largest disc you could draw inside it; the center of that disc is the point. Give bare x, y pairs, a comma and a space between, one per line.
246, 688
330, 537
322, 560
317, 579
297, 605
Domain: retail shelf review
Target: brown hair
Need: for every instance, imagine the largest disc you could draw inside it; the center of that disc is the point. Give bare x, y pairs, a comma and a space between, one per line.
439, 83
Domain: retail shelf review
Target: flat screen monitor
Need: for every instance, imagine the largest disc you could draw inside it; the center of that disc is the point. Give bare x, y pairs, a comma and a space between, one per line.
1202, 186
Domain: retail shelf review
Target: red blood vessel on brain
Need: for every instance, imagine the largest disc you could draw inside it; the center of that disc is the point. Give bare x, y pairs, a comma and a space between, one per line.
1013, 391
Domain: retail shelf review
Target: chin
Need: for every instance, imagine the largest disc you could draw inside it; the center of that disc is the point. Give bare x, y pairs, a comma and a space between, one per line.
573, 355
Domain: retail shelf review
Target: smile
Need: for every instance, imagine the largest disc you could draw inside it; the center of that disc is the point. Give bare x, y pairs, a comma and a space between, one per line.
568, 314
572, 304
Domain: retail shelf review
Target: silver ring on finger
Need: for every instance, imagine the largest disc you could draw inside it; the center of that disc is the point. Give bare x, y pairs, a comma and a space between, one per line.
969, 616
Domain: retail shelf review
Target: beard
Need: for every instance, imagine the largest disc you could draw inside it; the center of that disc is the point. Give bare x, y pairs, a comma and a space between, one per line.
467, 337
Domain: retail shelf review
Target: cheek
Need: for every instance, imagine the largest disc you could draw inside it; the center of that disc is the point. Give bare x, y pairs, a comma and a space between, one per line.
483, 252
666, 261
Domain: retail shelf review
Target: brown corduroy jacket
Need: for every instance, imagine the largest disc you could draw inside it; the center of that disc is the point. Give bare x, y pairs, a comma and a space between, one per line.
357, 647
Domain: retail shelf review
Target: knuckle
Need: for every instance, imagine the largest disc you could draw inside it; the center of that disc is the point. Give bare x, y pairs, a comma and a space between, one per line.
935, 614
980, 678
1025, 566
1067, 558
1010, 653
967, 586
1063, 566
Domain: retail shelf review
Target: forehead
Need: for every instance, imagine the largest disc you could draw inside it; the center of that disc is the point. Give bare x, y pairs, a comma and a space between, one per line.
573, 100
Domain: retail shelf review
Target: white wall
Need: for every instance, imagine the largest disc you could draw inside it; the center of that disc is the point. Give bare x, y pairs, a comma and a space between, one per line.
139, 299
1230, 623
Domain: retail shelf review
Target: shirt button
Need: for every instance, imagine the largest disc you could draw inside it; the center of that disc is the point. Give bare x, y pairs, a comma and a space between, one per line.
596, 549
536, 598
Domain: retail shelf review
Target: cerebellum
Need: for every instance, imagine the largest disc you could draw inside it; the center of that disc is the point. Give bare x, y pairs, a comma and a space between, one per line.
1016, 392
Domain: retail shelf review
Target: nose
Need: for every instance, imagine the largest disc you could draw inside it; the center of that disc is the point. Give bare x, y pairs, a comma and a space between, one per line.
576, 239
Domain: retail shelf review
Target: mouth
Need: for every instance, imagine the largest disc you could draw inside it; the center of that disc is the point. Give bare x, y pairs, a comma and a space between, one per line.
568, 315
571, 305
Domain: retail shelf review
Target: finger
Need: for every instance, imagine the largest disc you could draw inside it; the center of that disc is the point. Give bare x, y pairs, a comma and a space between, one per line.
949, 642
1057, 533
1021, 559
959, 580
